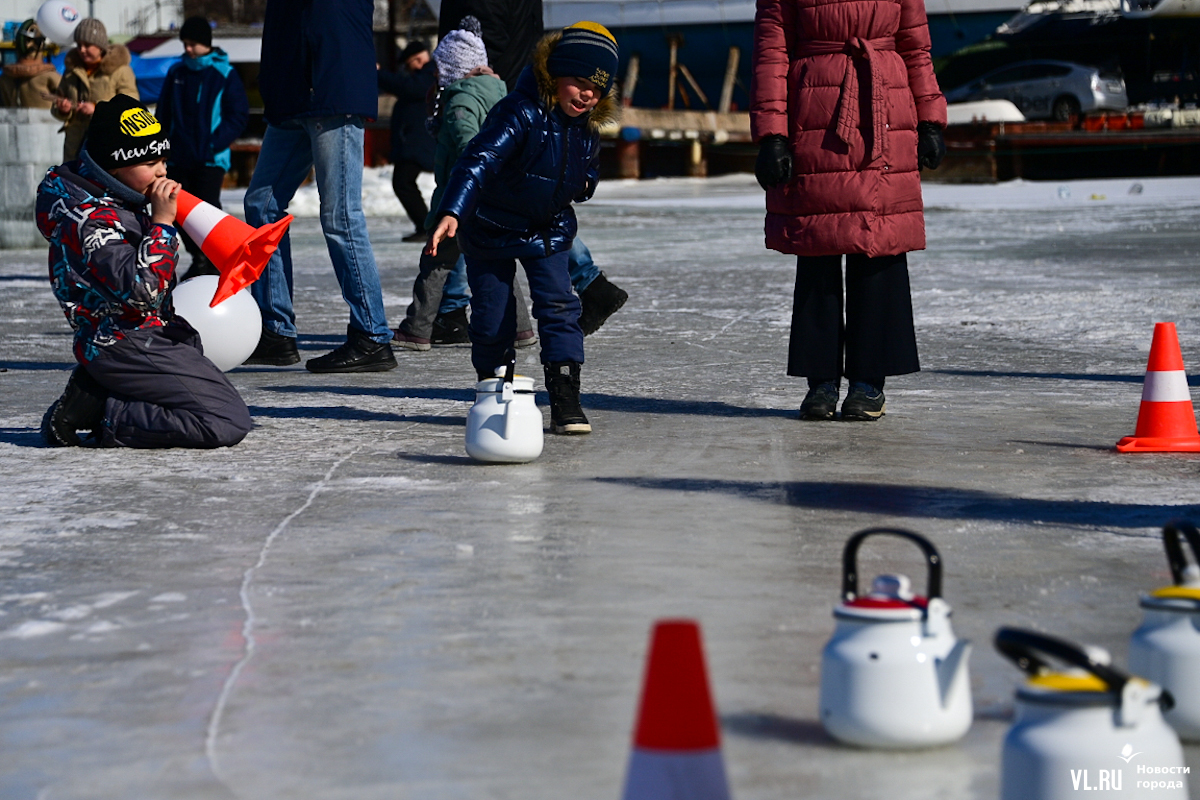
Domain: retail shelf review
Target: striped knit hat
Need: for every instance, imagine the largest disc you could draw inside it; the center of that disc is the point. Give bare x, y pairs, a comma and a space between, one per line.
586, 50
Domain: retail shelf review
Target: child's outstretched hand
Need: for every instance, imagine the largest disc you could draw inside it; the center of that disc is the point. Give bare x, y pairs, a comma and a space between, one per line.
163, 193
447, 228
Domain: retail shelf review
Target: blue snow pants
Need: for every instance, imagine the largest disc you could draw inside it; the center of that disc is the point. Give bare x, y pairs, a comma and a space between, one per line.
493, 324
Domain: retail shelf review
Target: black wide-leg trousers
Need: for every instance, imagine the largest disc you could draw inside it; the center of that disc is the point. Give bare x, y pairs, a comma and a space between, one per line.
875, 338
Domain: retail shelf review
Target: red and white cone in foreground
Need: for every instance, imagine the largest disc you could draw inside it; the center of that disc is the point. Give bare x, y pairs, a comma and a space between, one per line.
676, 747
1166, 421
238, 251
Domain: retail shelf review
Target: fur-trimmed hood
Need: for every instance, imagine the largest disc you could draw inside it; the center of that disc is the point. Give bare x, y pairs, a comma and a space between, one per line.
607, 111
116, 57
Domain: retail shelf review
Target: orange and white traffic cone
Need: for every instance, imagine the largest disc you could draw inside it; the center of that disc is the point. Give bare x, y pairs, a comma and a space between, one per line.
239, 252
1166, 421
676, 747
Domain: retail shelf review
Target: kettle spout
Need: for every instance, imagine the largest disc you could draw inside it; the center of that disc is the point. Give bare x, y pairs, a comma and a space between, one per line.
951, 667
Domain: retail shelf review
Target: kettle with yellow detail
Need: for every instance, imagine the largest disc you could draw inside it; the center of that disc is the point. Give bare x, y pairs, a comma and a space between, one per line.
1085, 726
1166, 648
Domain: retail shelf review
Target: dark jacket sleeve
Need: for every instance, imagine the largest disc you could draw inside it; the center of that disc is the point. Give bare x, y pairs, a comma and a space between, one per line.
235, 112
503, 135
592, 178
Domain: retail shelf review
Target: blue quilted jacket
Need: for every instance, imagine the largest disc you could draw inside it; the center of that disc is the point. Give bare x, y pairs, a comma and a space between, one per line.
513, 186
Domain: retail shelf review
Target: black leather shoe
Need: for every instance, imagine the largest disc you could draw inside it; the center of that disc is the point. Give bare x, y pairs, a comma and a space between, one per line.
360, 353
274, 350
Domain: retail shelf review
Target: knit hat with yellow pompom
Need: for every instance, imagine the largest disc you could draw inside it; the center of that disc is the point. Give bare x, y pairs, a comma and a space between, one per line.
587, 50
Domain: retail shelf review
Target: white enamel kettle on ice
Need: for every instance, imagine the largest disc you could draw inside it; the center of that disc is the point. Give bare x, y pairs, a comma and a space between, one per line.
504, 425
893, 675
1088, 727
1166, 648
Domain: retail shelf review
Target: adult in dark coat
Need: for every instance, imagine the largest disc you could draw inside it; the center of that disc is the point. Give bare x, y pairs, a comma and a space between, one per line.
413, 147
511, 31
846, 109
317, 79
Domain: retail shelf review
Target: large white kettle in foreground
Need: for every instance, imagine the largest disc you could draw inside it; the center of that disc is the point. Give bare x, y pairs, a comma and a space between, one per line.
504, 425
1166, 648
893, 675
1085, 727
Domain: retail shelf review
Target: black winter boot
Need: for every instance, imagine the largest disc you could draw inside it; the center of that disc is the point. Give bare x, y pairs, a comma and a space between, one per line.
81, 407
601, 299
274, 350
450, 329
360, 353
566, 415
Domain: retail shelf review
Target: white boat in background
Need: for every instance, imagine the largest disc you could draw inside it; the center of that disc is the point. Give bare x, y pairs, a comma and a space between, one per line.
1160, 8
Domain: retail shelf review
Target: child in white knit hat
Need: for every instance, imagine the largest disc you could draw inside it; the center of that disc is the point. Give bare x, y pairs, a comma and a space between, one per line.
467, 90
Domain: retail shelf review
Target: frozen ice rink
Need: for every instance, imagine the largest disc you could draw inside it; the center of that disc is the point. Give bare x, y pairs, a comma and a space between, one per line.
344, 607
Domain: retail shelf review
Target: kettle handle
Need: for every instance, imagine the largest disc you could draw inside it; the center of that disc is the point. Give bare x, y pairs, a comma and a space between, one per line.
511, 369
850, 561
1175, 555
1020, 645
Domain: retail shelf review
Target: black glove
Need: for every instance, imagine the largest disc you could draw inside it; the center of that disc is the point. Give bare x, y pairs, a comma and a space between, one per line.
774, 164
931, 147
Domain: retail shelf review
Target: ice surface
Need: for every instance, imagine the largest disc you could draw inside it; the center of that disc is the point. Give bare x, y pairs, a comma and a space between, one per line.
344, 606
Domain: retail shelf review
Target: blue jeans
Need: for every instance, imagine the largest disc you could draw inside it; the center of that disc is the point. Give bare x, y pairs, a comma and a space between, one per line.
493, 325
334, 146
583, 272
456, 293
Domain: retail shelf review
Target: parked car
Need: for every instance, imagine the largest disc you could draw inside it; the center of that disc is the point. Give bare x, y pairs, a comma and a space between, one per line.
1054, 90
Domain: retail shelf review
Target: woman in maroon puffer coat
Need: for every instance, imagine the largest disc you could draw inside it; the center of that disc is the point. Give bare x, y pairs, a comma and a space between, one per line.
846, 109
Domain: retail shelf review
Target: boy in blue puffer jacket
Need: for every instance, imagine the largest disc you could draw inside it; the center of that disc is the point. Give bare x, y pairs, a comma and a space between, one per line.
511, 193
203, 108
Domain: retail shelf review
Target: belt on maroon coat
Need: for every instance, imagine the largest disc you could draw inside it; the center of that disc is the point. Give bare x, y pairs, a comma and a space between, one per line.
847, 116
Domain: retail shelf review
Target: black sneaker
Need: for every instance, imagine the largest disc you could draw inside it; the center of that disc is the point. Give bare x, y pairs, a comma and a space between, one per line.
863, 402
450, 329
820, 402
566, 414
415, 236
601, 299
81, 407
274, 350
360, 353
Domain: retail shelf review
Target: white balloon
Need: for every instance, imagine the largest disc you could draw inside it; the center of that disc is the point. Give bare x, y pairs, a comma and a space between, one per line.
228, 332
57, 20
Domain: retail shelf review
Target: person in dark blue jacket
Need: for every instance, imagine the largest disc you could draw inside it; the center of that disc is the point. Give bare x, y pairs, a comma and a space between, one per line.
203, 108
511, 190
413, 146
317, 78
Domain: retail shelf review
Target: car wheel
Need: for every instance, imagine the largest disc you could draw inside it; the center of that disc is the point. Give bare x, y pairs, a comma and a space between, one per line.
1064, 108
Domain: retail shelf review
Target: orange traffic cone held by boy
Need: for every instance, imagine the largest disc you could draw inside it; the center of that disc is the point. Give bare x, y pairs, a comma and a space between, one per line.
1166, 421
237, 250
